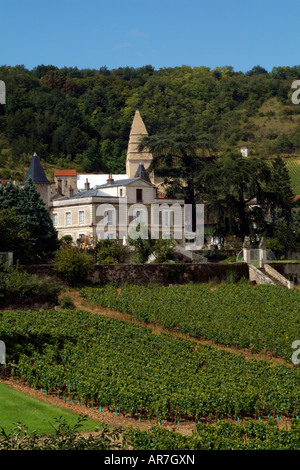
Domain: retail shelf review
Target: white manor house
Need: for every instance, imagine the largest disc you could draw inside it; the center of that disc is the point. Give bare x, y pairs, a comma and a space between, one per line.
97, 206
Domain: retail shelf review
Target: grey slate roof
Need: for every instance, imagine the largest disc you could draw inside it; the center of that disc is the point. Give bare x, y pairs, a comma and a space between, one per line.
36, 172
116, 183
96, 191
142, 173
85, 193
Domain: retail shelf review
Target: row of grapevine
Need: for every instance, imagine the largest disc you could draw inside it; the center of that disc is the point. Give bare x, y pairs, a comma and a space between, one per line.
261, 318
111, 363
293, 166
250, 435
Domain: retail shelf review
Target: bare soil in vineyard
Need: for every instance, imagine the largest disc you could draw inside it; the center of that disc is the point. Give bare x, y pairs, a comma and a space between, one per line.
105, 416
109, 418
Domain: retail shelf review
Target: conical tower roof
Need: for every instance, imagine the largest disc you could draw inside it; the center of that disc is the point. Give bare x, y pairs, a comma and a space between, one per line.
138, 127
36, 172
134, 156
142, 173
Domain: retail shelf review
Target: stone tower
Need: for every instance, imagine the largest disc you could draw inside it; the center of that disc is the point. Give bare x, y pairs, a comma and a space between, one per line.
134, 156
37, 174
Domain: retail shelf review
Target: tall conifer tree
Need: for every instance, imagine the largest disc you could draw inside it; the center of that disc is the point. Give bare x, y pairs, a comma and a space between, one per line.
32, 215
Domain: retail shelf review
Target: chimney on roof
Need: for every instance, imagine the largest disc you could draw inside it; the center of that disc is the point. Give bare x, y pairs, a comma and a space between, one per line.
86, 185
110, 179
70, 191
59, 186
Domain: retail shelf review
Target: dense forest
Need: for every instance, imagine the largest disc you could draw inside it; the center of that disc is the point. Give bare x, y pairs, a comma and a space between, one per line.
81, 118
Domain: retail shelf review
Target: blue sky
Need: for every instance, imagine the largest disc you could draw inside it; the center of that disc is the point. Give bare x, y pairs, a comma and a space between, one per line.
163, 33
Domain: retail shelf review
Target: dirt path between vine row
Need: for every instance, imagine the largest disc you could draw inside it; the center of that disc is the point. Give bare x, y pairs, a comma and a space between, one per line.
109, 418
83, 304
105, 416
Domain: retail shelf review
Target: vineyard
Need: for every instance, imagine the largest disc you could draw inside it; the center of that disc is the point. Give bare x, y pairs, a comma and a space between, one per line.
261, 318
103, 362
293, 166
224, 436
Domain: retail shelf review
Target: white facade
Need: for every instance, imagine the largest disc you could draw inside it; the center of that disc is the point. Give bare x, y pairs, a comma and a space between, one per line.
100, 200
110, 211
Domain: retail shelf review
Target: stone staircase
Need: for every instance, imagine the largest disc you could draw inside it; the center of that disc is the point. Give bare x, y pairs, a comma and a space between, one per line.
265, 274
272, 278
268, 275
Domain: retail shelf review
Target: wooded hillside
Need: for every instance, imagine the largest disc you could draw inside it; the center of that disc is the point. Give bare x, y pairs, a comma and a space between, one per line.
81, 118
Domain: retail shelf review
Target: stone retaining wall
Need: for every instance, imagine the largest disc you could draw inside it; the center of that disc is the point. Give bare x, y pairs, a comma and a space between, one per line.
143, 274
290, 271
166, 273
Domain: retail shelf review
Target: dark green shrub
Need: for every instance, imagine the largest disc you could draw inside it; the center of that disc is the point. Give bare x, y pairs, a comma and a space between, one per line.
64, 437
66, 240
72, 265
16, 283
164, 251
111, 252
66, 302
275, 246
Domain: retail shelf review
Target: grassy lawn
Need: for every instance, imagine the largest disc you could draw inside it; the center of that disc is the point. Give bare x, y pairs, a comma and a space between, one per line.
35, 414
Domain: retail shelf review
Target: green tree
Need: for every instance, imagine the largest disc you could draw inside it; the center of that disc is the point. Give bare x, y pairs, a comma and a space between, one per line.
90, 158
111, 252
284, 144
143, 248
256, 70
61, 110
33, 218
242, 193
37, 220
179, 159
54, 79
279, 189
231, 183
13, 237
71, 264
164, 250
283, 226
9, 195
